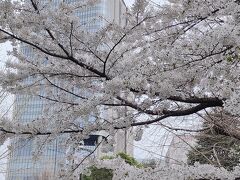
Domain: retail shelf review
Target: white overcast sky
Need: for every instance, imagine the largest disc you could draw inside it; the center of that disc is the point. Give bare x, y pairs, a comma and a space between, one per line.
130, 2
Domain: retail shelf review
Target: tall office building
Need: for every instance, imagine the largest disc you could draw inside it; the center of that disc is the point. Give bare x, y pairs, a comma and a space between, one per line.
21, 165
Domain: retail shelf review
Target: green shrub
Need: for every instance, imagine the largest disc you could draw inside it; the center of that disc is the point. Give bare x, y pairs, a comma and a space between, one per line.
107, 174
99, 174
130, 160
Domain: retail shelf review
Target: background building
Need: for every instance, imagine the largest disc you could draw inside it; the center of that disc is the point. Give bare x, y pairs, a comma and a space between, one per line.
179, 148
21, 165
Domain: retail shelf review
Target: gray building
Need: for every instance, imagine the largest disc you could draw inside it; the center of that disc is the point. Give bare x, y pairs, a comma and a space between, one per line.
179, 148
21, 165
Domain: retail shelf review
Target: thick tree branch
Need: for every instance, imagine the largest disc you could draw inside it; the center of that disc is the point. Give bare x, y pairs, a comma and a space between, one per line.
165, 115
189, 111
38, 133
196, 100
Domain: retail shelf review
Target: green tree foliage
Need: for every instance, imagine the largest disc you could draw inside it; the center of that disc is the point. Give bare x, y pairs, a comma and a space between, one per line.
216, 147
152, 163
99, 174
130, 160
107, 174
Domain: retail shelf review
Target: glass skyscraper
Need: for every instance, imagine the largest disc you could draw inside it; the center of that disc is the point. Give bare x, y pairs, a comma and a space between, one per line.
21, 164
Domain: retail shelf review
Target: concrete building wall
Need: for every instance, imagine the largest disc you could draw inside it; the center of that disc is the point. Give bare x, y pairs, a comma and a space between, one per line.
178, 149
116, 10
124, 139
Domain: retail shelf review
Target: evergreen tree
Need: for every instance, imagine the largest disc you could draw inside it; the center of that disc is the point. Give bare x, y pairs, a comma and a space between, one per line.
215, 146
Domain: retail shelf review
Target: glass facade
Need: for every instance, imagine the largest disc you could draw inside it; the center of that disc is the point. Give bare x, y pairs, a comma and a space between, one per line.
21, 164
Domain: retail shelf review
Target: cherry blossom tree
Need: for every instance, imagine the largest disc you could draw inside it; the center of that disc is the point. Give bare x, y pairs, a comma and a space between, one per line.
170, 60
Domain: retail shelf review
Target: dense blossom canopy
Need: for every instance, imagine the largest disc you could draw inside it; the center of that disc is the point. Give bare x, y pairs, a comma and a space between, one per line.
169, 60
